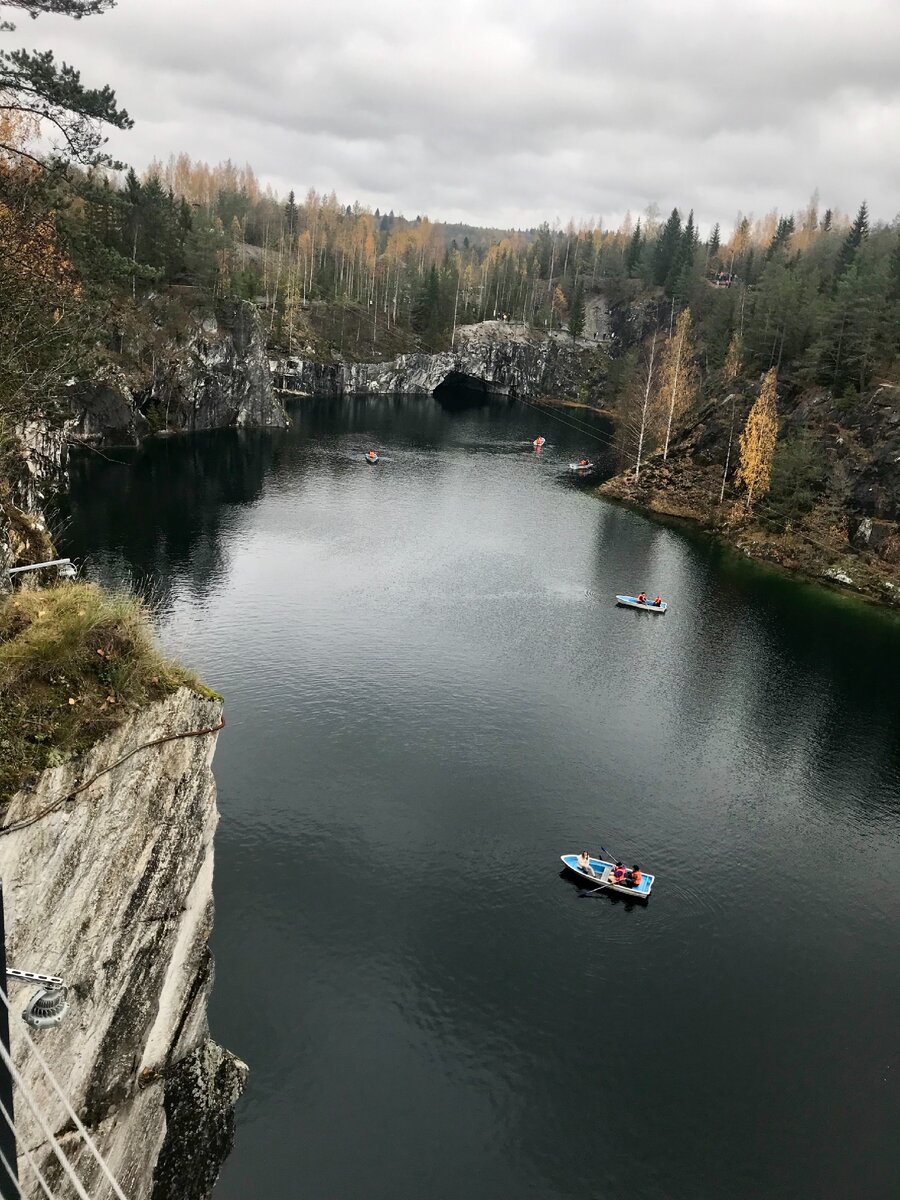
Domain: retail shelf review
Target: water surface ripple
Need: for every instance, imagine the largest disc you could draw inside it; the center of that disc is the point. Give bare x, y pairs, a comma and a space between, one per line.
430, 696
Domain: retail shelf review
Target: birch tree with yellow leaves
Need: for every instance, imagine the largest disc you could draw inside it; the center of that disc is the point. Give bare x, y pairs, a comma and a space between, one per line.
677, 385
757, 442
730, 373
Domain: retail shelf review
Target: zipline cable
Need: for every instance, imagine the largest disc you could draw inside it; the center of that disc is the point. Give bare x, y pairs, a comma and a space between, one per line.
72, 1114
25, 1092
29, 1158
13, 1177
585, 430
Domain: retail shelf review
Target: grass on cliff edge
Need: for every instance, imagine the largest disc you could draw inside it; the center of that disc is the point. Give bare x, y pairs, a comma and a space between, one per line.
75, 662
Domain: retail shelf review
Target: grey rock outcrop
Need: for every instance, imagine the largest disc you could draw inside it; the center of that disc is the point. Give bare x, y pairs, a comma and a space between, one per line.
113, 891
216, 375
494, 356
35, 470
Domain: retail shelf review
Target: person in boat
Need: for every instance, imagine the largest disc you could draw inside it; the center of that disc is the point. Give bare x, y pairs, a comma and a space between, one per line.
583, 462
642, 598
657, 603
619, 873
635, 875
584, 863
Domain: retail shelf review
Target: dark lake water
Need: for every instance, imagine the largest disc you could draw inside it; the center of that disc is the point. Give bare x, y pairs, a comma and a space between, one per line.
430, 696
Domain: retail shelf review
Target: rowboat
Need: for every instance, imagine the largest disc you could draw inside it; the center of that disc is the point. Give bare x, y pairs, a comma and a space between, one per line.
581, 467
538, 442
633, 602
371, 456
603, 875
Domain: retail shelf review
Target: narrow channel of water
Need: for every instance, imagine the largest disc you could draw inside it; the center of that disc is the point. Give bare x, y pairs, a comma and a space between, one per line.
430, 696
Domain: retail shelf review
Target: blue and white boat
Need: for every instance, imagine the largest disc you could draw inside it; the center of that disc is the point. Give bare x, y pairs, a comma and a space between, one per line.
643, 605
603, 875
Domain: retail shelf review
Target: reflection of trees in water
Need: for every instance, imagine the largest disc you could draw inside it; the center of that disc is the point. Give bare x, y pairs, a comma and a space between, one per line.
155, 517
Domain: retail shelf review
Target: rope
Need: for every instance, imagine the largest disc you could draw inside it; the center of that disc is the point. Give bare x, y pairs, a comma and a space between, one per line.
45, 1128
72, 1114
54, 804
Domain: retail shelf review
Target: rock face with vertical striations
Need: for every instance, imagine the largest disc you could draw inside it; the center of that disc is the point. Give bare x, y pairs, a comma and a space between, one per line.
214, 374
112, 890
495, 357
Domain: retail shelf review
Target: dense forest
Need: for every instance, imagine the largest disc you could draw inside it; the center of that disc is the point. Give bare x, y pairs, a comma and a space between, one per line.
814, 295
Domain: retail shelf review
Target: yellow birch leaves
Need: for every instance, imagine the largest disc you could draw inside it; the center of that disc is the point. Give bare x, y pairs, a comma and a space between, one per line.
757, 442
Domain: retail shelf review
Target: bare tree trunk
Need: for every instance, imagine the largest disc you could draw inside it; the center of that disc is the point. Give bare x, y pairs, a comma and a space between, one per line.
455, 307
644, 409
728, 455
674, 391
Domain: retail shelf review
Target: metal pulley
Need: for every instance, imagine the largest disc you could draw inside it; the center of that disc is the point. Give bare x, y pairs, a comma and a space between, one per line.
46, 1008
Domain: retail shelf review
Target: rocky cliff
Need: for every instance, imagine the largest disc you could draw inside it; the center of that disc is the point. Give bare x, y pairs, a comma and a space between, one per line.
32, 470
206, 371
494, 356
833, 511
112, 890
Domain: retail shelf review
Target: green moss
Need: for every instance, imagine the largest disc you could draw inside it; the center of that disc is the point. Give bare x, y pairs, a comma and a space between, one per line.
75, 662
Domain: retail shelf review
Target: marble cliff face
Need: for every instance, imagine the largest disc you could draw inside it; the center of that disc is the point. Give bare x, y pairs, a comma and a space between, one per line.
112, 890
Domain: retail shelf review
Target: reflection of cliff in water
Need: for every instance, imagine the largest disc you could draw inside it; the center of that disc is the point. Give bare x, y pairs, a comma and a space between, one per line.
157, 514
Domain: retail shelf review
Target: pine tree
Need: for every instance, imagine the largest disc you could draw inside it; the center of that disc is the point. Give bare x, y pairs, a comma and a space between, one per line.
52, 93
290, 214
633, 252
667, 247
783, 233
859, 231
827, 218
757, 442
576, 314
715, 240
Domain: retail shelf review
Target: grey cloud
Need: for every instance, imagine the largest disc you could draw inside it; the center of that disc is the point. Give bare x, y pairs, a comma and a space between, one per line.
513, 111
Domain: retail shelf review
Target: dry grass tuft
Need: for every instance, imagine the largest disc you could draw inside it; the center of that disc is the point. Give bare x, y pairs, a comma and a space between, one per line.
75, 662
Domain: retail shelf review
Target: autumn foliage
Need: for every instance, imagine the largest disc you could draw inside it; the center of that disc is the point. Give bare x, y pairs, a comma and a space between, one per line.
757, 442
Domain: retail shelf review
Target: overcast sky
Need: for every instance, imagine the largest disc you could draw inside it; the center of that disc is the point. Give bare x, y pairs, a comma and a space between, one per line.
509, 112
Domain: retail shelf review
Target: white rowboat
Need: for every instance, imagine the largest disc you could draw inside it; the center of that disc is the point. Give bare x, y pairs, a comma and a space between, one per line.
645, 606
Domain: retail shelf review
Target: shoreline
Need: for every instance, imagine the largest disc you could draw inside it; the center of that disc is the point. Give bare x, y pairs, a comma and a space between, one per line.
779, 552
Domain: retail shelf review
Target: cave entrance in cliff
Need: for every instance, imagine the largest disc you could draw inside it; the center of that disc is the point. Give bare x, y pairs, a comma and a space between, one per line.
458, 390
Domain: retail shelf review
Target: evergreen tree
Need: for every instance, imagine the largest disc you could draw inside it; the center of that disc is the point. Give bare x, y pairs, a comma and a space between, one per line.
34, 84
426, 316
826, 220
678, 280
576, 314
290, 214
859, 231
783, 233
633, 252
715, 239
667, 247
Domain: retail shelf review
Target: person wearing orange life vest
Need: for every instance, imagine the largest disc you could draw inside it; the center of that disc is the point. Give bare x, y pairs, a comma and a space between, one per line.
657, 603
635, 877
618, 875
642, 598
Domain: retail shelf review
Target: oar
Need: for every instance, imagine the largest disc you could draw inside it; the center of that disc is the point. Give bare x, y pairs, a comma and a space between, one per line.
593, 891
